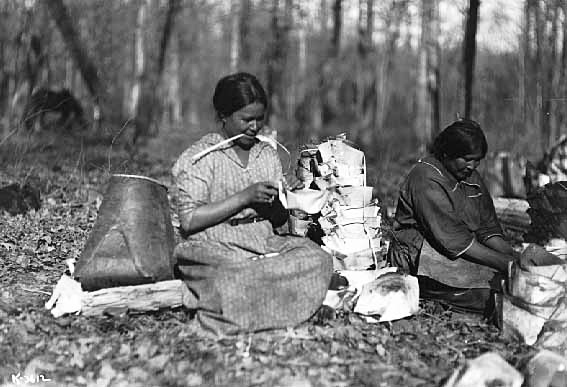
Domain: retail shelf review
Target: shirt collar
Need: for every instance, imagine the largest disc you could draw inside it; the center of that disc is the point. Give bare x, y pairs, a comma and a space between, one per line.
441, 170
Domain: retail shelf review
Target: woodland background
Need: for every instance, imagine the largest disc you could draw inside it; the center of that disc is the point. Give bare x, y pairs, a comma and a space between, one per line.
388, 73
391, 72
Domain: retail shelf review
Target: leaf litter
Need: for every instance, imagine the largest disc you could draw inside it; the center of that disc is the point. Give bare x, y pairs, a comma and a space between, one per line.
165, 348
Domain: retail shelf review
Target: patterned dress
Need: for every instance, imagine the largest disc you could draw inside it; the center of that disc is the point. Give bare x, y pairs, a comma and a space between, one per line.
245, 276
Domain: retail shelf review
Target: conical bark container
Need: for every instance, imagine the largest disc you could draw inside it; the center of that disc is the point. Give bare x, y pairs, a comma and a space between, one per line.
132, 240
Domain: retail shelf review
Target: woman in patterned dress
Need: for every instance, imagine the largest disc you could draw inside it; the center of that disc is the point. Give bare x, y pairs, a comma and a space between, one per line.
445, 230
228, 206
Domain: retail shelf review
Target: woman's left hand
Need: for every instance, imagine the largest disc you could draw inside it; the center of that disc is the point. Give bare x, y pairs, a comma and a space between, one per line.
292, 183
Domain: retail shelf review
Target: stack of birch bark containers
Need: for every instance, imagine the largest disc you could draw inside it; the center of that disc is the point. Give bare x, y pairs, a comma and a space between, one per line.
350, 218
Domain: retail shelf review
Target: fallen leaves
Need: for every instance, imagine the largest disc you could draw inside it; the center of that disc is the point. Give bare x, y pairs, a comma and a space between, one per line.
167, 349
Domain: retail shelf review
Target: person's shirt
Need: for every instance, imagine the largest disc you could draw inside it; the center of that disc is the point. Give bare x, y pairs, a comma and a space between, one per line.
449, 214
217, 175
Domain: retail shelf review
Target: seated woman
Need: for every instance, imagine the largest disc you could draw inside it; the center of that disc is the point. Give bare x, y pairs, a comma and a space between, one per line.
244, 275
445, 230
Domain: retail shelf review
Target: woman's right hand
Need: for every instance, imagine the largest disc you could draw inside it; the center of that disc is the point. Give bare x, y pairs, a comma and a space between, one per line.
260, 193
211, 214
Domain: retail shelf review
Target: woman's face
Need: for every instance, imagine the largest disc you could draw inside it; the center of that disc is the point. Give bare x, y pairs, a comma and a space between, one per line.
249, 120
462, 167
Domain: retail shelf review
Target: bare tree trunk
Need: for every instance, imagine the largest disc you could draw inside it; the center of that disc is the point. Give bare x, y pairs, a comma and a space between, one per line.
289, 88
13, 87
149, 74
324, 16
361, 18
34, 49
139, 57
302, 56
469, 53
546, 28
69, 73
386, 63
4, 69
301, 79
366, 77
273, 71
173, 8
361, 59
427, 120
423, 121
171, 86
538, 70
276, 62
244, 29
370, 21
234, 35
434, 78
310, 109
552, 72
4, 78
362, 29
36, 60
172, 82
524, 64
337, 29
86, 66
562, 81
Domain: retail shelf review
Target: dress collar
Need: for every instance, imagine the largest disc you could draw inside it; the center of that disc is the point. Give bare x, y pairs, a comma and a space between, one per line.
215, 138
440, 168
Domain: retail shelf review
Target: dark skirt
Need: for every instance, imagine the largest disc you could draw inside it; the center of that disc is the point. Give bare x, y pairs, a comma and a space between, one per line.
472, 300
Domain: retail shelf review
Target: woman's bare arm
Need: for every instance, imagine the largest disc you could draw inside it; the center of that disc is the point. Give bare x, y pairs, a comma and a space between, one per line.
499, 244
484, 255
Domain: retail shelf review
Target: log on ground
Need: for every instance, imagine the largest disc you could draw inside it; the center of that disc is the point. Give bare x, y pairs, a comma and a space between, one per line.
139, 299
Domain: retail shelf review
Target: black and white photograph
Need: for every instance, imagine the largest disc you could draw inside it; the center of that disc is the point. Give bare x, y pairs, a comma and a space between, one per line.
283, 193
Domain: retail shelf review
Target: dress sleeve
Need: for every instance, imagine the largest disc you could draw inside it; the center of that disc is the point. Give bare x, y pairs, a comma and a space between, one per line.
489, 225
192, 183
276, 164
436, 213
279, 169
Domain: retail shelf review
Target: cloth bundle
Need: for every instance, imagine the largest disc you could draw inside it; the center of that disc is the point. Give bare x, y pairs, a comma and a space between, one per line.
534, 306
377, 295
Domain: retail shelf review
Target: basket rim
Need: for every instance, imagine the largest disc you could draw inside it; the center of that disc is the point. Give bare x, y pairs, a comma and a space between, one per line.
139, 177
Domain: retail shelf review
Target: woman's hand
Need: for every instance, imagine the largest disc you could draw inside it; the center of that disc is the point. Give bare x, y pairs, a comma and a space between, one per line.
260, 193
487, 256
292, 183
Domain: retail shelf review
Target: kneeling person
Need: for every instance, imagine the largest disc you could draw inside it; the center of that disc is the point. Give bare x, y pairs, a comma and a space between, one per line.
446, 231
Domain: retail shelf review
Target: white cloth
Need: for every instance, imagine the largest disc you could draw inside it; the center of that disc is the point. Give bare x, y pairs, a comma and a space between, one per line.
66, 298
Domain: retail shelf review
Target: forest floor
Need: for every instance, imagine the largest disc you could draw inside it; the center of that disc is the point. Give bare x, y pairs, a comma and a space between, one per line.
164, 348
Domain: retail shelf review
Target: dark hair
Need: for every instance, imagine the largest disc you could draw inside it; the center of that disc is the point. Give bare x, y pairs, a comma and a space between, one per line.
462, 137
235, 91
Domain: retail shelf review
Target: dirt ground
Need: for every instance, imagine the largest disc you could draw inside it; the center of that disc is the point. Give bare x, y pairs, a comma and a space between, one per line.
165, 348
